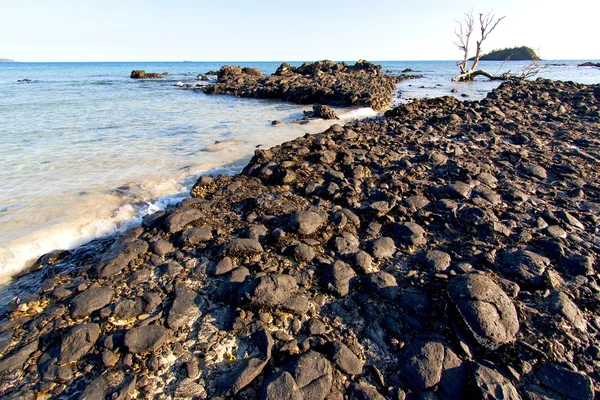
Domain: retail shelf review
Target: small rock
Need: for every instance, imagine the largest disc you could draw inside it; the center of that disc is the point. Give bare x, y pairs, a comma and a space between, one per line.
91, 300
437, 260
345, 359
383, 247
78, 342
145, 338
242, 247
306, 222
184, 311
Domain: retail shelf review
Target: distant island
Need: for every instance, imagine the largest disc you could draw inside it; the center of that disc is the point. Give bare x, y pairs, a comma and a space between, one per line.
522, 53
6, 60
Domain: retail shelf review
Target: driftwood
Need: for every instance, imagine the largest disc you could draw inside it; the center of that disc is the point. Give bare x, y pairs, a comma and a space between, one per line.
487, 24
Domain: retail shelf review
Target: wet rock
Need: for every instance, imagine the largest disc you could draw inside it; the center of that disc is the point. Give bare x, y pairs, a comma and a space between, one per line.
306, 222
422, 365
571, 385
180, 218
78, 342
145, 338
490, 384
485, 309
141, 74
345, 359
324, 112
268, 290
193, 236
91, 300
241, 247
162, 247
184, 311
16, 360
119, 256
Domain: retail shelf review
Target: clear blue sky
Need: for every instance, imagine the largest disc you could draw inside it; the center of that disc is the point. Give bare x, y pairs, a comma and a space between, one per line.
226, 30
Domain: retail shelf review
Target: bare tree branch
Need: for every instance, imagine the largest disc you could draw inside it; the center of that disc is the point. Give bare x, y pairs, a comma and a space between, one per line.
487, 24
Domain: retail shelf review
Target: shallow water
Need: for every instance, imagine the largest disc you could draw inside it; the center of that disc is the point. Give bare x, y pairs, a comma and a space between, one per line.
87, 151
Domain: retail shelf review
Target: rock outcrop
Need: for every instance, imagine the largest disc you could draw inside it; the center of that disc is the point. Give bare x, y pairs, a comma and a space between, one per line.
324, 82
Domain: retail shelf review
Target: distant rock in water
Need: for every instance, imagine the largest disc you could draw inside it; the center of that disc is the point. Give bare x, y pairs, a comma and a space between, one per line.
323, 82
141, 74
589, 64
522, 53
6, 60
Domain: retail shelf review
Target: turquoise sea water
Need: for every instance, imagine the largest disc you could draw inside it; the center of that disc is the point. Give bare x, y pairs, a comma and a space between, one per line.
85, 150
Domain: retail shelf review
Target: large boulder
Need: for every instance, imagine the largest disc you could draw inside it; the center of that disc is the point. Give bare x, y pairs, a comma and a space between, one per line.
484, 308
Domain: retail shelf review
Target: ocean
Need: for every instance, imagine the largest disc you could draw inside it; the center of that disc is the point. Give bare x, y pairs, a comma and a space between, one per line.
87, 152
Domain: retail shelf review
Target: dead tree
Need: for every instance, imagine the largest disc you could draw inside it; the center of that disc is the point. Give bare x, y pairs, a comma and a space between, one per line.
487, 24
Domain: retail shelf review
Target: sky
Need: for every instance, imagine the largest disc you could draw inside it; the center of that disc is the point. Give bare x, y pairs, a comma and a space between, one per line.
226, 30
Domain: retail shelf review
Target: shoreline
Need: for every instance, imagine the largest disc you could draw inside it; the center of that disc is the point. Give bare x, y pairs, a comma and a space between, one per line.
337, 260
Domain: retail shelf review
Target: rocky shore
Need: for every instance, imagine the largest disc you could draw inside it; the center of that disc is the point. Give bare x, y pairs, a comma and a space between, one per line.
447, 250
362, 84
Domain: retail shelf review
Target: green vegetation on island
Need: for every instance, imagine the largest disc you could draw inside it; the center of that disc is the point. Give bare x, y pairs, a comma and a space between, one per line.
522, 53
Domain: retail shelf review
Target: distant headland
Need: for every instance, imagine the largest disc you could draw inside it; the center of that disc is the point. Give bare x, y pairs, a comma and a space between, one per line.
522, 53
6, 60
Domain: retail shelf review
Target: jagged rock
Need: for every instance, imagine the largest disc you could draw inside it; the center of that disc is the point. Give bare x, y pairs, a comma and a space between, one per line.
268, 290
184, 311
422, 365
249, 368
180, 218
345, 359
91, 300
569, 384
492, 385
282, 387
523, 265
17, 359
437, 260
382, 284
193, 236
306, 222
485, 309
241, 247
145, 338
119, 256
312, 373
409, 233
141, 74
383, 247
324, 112
78, 342
339, 275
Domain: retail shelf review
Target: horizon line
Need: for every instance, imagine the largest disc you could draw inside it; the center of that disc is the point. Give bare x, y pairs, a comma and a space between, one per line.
273, 61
